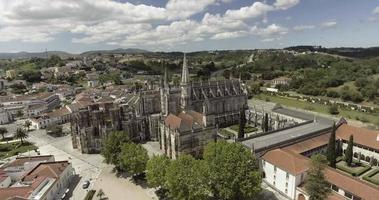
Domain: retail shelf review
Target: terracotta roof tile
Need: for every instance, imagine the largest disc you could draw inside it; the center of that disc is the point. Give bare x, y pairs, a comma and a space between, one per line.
362, 136
20, 161
309, 144
288, 161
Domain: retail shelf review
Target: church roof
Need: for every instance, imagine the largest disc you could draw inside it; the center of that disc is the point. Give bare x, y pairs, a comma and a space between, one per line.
184, 121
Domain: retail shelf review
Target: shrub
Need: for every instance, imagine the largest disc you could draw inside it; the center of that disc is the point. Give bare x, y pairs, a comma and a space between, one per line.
90, 195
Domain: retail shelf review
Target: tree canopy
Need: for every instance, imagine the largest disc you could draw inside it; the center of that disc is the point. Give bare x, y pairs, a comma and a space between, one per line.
233, 171
133, 158
316, 185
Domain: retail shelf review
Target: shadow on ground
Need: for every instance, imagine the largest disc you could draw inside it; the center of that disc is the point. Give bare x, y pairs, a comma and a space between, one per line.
73, 183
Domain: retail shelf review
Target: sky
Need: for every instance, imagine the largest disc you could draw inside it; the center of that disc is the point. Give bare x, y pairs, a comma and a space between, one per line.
185, 25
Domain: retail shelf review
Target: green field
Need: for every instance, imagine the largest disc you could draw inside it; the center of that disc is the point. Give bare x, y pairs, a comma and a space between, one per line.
14, 148
349, 114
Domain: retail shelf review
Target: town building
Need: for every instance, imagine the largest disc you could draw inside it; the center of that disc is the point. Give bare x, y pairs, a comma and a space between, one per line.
45, 181
5, 116
15, 169
56, 117
285, 168
15, 104
11, 74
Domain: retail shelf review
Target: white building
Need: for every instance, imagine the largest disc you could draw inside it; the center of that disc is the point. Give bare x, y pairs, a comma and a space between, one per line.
285, 168
56, 117
45, 181
18, 167
5, 116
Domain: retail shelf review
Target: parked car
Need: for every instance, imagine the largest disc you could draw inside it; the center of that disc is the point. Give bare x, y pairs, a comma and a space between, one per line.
85, 184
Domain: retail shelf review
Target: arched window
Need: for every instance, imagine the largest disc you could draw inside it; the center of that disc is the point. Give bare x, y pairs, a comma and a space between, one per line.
301, 197
355, 155
368, 159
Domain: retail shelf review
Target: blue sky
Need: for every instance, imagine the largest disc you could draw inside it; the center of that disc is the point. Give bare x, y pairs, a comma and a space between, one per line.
185, 25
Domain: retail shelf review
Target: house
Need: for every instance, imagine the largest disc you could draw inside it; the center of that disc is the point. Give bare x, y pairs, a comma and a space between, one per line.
18, 167
5, 116
56, 117
46, 181
11, 74
93, 80
15, 103
35, 109
280, 81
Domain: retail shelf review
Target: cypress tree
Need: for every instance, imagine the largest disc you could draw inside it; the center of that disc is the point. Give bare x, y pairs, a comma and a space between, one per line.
331, 151
241, 130
265, 128
349, 151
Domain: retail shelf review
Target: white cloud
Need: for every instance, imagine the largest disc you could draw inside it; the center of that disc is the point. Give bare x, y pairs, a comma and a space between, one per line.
229, 35
329, 24
255, 10
301, 28
285, 4
376, 11
117, 23
269, 31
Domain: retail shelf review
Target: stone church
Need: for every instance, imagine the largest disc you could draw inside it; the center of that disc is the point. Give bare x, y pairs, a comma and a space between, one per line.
192, 114
183, 119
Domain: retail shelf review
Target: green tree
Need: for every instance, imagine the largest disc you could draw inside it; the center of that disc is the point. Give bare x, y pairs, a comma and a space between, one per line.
133, 158
242, 123
19, 113
265, 123
331, 151
21, 134
186, 179
27, 124
349, 151
233, 171
316, 185
3, 131
333, 109
156, 170
112, 146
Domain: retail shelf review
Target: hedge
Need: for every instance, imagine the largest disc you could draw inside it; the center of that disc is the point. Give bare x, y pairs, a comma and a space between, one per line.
352, 172
369, 176
90, 195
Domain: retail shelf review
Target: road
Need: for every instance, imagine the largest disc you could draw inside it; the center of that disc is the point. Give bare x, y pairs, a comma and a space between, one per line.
87, 166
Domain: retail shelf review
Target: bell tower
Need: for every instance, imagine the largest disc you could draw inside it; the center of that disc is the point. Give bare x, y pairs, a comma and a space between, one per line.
185, 87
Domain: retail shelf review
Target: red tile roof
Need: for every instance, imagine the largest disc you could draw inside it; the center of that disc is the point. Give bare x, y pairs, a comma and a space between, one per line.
362, 136
20, 161
288, 161
47, 169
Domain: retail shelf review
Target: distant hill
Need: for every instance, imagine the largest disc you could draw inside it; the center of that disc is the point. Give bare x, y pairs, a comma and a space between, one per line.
115, 51
25, 55
342, 51
62, 54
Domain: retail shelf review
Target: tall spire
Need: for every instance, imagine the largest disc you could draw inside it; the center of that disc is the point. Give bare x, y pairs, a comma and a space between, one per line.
165, 83
185, 74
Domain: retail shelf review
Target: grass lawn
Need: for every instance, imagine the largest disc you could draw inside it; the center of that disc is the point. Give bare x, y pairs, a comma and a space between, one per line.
349, 114
12, 149
373, 177
248, 129
226, 133
356, 170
